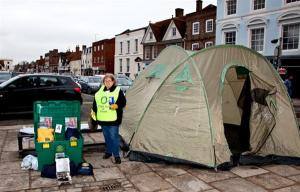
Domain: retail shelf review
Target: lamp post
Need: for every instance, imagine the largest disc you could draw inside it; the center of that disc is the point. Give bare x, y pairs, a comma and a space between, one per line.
277, 52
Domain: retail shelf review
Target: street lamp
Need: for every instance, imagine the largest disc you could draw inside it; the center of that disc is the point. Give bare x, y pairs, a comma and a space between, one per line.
277, 52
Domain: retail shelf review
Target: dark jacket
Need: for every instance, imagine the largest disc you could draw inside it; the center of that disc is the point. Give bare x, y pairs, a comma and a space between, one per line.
121, 102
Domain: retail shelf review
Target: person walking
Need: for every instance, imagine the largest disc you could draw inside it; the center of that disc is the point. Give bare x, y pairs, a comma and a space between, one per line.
107, 111
288, 84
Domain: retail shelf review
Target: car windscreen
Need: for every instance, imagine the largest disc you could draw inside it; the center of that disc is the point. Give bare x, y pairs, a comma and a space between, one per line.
94, 80
9, 81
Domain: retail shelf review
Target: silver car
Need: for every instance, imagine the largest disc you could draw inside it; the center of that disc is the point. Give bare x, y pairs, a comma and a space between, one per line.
93, 82
124, 83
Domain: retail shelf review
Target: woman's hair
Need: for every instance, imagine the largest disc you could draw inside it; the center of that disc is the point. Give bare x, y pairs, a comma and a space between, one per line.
111, 76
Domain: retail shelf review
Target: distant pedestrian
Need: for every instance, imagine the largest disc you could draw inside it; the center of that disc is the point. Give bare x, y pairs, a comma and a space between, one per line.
107, 111
288, 84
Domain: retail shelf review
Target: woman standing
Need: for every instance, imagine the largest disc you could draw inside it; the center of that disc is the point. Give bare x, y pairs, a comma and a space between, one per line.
107, 112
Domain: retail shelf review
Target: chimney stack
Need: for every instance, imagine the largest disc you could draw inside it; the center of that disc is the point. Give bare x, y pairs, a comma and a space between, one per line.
198, 5
77, 48
179, 12
41, 57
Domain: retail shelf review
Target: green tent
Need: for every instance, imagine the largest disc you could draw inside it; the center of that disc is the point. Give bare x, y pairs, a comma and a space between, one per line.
202, 107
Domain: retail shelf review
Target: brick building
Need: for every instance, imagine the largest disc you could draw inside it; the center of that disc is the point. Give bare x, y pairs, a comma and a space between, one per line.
103, 56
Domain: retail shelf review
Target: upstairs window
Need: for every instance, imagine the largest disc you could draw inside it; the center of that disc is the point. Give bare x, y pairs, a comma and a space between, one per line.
150, 35
209, 26
128, 47
230, 38
258, 4
121, 47
174, 31
231, 7
196, 27
136, 45
291, 36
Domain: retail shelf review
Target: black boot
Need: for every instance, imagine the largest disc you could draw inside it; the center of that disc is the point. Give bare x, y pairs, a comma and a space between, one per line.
117, 160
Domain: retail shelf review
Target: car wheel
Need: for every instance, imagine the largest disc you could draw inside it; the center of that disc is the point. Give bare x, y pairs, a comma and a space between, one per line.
89, 91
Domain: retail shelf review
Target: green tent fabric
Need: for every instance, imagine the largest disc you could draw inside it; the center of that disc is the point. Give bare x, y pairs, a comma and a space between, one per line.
184, 105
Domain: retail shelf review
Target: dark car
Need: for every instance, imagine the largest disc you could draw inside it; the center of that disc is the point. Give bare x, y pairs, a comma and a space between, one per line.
85, 88
4, 76
19, 93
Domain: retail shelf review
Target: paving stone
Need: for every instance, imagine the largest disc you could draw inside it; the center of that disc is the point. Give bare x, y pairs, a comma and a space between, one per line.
295, 178
237, 185
189, 183
74, 190
211, 175
170, 190
108, 173
271, 181
283, 170
11, 167
247, 171
133, 167
10, 144
98, 162
87, 139
2, 137
97, 137
34, 190
50, 189
169, 171
14, 182
38, 182
91, 189
295, 188
148, 182
9, 156
34, 173
82, 179
212, 190
156, 165
130, 190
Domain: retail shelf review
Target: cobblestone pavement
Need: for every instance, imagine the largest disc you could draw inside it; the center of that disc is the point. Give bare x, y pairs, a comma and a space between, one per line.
136, 176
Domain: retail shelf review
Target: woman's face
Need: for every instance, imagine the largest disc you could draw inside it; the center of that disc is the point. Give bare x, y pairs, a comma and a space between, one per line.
108, 82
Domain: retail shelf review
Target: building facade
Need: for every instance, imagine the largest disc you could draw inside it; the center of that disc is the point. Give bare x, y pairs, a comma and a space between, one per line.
103, 56
6, 65
86, 61
271, 27
164, 33
200, 27
129, 52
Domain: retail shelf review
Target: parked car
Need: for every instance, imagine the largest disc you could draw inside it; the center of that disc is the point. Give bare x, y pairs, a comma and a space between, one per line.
124, 83
85, 88
19, 93
4, 76
13, 74
94, 82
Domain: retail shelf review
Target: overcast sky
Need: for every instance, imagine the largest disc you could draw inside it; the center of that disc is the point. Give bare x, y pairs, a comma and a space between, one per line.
30, 28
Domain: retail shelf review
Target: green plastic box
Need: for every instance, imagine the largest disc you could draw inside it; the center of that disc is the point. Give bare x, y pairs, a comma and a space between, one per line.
58, 111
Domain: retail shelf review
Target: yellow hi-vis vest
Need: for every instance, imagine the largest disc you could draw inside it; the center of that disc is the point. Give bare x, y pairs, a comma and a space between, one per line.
104, 113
